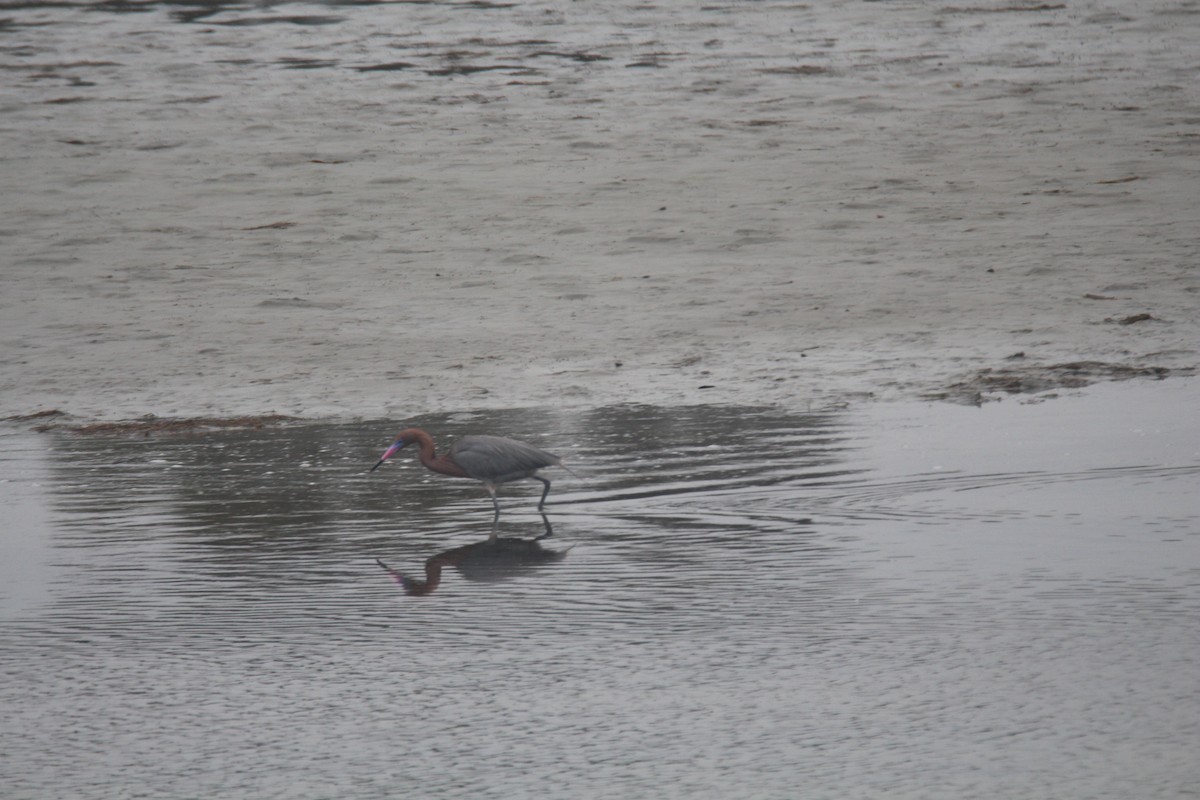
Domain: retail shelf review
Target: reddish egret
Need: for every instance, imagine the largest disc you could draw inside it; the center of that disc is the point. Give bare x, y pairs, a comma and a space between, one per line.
490, 459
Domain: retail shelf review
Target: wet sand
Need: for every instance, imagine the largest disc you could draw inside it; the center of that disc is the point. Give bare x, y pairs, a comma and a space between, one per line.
399, 209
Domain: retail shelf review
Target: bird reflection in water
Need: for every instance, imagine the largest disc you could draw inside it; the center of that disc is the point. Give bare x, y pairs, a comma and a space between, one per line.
493, 559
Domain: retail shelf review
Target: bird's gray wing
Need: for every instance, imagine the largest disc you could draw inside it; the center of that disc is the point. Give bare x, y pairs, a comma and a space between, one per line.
497, 459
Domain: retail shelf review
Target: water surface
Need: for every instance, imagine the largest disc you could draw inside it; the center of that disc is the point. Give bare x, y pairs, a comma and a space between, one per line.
902, 601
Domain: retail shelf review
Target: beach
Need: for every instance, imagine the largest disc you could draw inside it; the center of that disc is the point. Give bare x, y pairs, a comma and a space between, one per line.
866, 332
383, 211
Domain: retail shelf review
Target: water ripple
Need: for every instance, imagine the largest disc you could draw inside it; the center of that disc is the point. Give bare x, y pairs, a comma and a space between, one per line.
731, 583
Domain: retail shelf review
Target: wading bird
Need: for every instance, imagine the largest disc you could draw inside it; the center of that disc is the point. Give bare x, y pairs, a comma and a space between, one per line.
493, 460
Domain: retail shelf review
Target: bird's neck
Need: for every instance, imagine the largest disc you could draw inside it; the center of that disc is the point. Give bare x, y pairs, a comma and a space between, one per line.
444, 465
432, 460
423, 442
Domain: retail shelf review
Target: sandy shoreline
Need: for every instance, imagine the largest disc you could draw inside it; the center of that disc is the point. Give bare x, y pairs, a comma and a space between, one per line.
548, 205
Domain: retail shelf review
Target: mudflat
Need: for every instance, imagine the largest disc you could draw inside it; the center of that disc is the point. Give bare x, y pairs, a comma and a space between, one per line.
395, 209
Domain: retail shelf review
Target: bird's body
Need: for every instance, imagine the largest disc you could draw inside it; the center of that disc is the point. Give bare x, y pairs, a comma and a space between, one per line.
496, 459
492, 460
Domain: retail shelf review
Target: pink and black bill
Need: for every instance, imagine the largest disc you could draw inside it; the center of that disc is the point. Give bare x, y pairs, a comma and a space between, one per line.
391, 451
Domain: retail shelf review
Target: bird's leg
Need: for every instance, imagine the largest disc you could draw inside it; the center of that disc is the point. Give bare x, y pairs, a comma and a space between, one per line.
495, 503
546, 491
549, 531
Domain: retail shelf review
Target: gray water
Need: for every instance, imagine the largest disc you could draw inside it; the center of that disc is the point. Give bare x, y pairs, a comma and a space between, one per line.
898, 601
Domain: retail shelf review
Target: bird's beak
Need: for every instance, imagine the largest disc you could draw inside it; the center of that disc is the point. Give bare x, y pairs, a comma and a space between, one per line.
391, 451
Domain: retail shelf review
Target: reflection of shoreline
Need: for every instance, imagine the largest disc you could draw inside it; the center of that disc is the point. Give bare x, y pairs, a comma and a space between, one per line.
492, 560
53, 419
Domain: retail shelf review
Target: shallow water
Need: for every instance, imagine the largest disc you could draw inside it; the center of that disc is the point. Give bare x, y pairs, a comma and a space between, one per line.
920, 601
